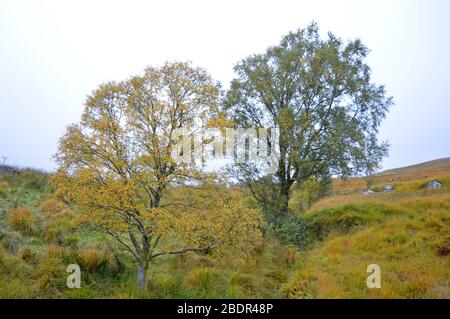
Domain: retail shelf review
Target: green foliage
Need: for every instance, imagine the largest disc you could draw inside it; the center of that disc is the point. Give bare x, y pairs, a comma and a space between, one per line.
290, 229
319, 94
309, 192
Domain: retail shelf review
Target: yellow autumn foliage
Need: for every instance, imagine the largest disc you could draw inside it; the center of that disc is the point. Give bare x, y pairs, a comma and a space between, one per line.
116, 167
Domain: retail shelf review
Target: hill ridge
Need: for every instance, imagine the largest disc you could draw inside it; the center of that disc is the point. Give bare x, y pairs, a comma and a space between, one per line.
433, 164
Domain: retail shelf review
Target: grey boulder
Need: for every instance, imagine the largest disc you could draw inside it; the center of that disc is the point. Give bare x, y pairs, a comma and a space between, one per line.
434, 185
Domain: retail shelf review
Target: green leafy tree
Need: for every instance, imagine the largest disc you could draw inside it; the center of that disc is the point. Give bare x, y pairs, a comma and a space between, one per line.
319, 94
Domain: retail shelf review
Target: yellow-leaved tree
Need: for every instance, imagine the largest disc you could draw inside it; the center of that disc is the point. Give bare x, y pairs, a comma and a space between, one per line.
116, 166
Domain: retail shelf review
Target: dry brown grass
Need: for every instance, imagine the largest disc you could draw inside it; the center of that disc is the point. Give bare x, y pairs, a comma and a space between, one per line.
92, 259
22, 219
53, 207
349, 185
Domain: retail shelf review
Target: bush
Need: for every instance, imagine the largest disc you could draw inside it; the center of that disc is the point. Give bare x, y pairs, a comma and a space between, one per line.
55, 231
57, 227
21, 219
290, 229
309, 192
53, 234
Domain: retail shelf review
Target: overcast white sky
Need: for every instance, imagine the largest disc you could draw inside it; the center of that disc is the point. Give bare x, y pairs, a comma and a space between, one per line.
54, 53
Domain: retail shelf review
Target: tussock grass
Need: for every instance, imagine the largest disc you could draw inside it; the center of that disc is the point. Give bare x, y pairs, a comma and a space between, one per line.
21, 219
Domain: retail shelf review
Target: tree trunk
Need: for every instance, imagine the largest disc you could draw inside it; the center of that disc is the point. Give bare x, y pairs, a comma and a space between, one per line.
284, 198
141, 276
284, 190
283, 176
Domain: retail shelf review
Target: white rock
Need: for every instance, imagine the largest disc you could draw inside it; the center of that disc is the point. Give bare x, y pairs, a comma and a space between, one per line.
434, 185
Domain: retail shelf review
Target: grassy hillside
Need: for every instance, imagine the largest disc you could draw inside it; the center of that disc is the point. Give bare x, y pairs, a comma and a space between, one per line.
414, 176
441, 163
40, 236
406, 232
